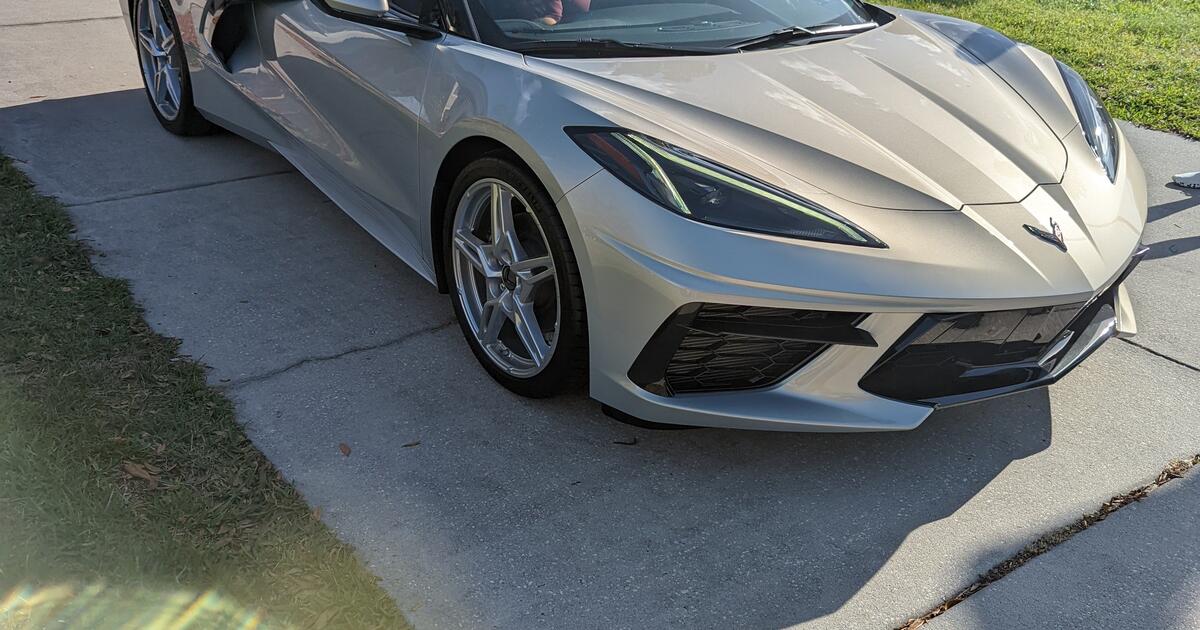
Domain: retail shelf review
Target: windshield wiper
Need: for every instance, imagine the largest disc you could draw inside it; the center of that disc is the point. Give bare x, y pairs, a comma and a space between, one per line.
609, 47
795, 34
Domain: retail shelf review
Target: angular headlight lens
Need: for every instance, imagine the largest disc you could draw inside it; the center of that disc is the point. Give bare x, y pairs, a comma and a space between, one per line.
1098, 125
701, 190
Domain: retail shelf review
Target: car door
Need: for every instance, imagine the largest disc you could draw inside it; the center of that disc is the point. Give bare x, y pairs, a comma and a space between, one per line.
351, 98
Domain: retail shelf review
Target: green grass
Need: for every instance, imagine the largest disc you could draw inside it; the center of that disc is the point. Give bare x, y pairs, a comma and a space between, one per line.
89, 394
1141, 56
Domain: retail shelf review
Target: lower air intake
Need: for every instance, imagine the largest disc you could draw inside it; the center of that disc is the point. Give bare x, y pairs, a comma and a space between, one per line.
706, 348
954, 358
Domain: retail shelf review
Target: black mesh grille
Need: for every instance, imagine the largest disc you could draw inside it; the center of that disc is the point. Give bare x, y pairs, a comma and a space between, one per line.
720, 347
717, 362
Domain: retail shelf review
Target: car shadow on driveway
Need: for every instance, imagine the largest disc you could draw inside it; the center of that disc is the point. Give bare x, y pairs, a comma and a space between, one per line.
105, 146
1137, 568
478, 508
481, 508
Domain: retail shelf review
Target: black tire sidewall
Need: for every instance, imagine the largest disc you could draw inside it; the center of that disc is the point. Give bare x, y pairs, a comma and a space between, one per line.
189, 121
567, 368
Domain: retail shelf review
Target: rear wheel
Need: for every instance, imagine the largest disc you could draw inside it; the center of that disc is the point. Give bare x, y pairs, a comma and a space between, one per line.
164, 69
514, 279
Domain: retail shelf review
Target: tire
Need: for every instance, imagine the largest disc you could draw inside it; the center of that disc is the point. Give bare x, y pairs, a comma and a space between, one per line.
565, 367
181, 118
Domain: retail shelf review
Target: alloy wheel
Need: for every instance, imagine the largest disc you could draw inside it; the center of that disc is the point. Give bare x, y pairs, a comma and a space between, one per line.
161, 57
505, 278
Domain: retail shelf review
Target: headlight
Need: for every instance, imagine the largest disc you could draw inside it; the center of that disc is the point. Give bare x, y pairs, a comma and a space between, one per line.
703, 191
1098, 126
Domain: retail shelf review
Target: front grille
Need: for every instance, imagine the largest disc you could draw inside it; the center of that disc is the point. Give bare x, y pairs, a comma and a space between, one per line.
947, 357
951, 359
721, 347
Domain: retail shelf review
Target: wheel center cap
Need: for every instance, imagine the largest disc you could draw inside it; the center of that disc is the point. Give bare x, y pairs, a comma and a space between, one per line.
508, 278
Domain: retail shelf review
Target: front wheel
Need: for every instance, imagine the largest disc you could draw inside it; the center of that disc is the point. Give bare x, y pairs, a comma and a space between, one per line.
164, 69
514, 279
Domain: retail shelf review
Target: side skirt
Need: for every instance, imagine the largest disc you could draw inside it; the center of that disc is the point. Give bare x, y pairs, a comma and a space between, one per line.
377, 219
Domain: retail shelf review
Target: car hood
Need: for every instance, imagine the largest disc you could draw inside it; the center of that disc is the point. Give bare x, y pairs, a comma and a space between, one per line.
899, 117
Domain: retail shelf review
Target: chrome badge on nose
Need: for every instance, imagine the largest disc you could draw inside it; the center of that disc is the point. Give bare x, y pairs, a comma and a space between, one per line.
1054, 236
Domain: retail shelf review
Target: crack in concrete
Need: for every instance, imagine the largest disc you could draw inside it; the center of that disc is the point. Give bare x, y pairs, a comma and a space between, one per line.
71, 21
1161, 355
1050, 540
333, 357
151, 193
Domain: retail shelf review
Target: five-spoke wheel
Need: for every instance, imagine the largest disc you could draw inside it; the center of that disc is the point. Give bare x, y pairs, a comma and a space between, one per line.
161, 59
507, 255
505, 277
164, 68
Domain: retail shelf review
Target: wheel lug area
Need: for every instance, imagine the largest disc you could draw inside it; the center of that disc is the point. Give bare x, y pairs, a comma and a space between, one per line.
508, 278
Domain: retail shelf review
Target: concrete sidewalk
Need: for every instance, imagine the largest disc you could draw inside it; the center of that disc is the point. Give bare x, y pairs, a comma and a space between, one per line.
516, 513
1138, 569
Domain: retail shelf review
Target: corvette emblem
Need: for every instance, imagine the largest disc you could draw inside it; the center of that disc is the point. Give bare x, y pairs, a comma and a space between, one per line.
1054, 236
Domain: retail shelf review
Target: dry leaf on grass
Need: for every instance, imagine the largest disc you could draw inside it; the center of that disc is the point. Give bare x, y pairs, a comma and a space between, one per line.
139, 471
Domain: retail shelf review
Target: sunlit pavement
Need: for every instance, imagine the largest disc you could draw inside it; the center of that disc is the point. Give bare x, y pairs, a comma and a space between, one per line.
478, 508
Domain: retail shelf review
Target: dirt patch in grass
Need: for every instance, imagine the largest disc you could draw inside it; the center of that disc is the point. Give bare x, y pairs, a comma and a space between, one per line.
127, 489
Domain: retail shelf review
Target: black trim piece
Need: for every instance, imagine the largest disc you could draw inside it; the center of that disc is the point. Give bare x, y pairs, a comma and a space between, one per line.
649, 370
746, 344
625, 418
845, 336
948, 357
952, 359
454, 17
777, 323
1138, 255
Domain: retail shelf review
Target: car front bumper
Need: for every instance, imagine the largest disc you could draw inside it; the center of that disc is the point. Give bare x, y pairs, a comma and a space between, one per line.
641, 264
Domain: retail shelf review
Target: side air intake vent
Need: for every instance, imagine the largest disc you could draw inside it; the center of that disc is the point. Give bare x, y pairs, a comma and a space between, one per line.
229, 29
721, 347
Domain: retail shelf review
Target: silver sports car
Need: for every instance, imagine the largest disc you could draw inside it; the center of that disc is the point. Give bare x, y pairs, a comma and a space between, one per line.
763, 214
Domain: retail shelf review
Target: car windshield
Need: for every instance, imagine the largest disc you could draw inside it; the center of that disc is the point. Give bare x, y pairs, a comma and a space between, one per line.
694, 24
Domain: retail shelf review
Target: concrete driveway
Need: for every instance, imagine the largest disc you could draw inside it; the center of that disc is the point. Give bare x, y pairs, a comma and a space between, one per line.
481, 509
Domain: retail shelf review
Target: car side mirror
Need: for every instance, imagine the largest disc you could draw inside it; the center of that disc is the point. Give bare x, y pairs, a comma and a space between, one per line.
367, 8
